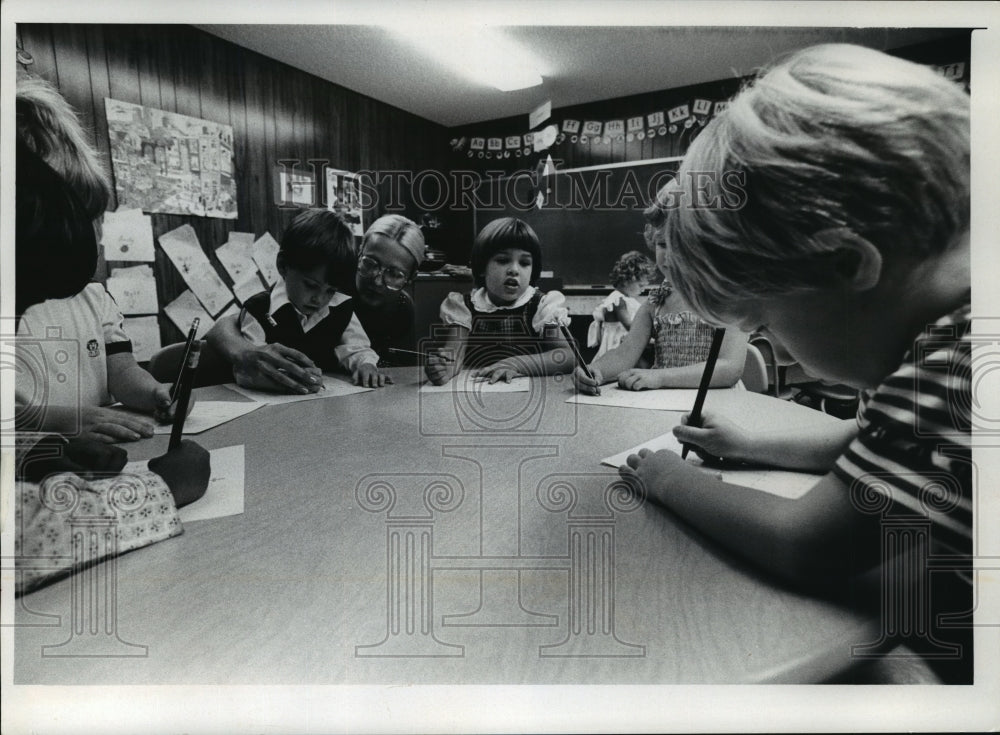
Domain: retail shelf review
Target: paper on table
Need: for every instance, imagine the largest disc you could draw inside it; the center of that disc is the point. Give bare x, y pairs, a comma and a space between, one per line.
182, 247
204, 416
127, 235
236, 256
224, 496
184, 309
785, 484
667, 399
144, 333
265, 253
332, 388
133, 290
465, 383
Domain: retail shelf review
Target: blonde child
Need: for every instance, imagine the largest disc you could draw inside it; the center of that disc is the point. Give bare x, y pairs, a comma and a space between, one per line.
73, 327
851, 249
681, 342
506, 327
614, 315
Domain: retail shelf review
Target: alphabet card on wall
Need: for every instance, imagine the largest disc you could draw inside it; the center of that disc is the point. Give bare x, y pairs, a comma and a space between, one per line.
183, 310
236, 256
134, 289
265, 255
182, 247
127, 235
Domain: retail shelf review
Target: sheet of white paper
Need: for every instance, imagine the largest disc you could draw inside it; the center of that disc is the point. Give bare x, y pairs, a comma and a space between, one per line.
184, 309
224, 496
232, 310
792, 485
182, 247
236, 257
144, 331
208, 414
134, 295
332, 388
127, 235
465, 383
265, 253
668, 399
247, 287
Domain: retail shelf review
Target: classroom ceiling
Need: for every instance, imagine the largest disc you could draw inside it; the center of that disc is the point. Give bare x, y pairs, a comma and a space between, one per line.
582, 64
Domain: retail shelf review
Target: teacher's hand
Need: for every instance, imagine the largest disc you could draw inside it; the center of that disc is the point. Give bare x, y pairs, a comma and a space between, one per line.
277, 368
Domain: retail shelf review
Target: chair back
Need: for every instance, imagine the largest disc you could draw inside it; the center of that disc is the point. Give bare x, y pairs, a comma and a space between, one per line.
755, 370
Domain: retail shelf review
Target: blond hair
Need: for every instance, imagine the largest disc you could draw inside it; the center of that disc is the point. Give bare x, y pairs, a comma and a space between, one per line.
49, 126
834, 137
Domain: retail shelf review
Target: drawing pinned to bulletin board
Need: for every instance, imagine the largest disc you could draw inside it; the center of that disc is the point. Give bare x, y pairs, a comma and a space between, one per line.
169, 163
182, 247
343, 196
127, 234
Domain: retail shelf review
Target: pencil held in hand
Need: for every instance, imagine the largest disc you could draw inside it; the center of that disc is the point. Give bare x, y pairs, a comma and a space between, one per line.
706, 380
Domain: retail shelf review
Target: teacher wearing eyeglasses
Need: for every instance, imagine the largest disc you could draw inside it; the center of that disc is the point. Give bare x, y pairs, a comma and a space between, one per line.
380, 316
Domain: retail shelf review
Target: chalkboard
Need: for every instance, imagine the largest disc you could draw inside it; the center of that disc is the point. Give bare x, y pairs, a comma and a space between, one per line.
589, 219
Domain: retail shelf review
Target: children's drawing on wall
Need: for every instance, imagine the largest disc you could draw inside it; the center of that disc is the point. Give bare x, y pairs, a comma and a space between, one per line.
170, 163
342, 197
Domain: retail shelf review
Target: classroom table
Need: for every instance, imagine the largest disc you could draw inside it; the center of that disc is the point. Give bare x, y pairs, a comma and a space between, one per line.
394, 537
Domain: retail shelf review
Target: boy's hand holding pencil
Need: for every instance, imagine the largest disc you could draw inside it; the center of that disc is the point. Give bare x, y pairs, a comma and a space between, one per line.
276, 367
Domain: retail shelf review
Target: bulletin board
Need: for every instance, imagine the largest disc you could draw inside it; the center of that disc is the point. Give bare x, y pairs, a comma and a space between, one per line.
590, 217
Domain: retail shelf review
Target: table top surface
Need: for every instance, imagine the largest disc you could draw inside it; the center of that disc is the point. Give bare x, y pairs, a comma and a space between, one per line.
395, 537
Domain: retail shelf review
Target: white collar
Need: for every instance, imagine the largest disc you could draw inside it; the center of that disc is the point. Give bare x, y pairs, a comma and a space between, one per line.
481, 300
279, 297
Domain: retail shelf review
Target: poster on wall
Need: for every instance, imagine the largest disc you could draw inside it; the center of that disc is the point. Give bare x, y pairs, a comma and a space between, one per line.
169, 163
343, 197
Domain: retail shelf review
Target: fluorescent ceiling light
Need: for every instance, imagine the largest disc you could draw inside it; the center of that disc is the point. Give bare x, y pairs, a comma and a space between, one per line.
481, 54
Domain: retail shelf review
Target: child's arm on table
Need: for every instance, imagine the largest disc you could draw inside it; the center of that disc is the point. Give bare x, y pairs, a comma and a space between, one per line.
85, 422
557, 359
136, 388
811, 448
607, 367
810, 541
271, 367
728, 369
356, 355
445, 362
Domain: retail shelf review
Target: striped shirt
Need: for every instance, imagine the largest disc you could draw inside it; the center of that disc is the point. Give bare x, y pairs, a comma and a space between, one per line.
913, 446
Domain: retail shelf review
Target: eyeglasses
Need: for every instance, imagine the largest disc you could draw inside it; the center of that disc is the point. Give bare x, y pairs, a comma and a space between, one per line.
393, 278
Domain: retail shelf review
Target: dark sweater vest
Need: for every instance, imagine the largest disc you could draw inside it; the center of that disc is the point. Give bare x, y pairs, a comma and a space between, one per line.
284, 327
501, 334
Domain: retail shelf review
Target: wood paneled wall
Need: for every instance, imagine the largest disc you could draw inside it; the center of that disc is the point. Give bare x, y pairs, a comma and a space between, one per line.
277, 113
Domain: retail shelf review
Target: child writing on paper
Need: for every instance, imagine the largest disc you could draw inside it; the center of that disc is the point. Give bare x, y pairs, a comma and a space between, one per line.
614, 315
681, 342
851, 249
283, 339
60, 190
76, 356
506, 327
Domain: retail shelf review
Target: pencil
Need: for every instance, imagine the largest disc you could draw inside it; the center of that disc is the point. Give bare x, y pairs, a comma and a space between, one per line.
396, 351
186, 382
576, 353
706, 379
175, 389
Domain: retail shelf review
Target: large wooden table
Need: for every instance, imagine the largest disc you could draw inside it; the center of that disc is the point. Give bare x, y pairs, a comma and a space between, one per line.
391, 537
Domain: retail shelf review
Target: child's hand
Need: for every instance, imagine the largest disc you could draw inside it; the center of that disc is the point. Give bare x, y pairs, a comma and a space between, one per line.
496, 372
656, 472
368, 376
638, 379
585, 384
186, 469
717, 437
109, 426
621, 312
275, 367
439, 368
164, 411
